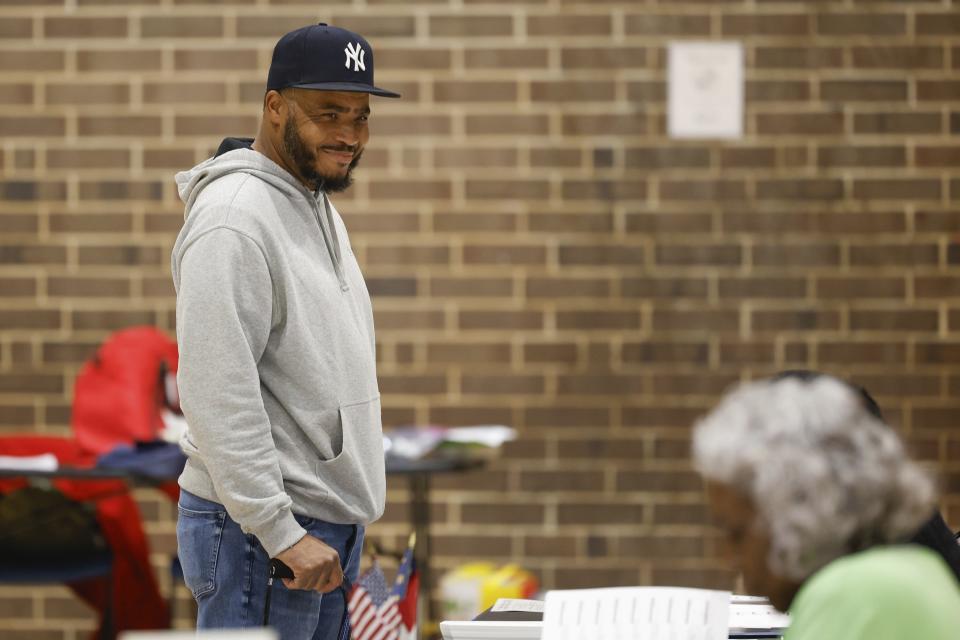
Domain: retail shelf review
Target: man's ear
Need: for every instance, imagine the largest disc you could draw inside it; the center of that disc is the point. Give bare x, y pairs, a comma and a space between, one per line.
275, 108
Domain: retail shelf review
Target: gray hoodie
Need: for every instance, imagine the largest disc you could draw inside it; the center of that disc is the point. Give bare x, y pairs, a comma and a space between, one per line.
277, 369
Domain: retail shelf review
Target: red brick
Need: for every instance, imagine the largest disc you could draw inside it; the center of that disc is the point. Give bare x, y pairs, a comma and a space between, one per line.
601, 255
471, 26
763, 288
569, 26
795, 320
780, 24
502, 58
16, 28
215, 59
674, 222
445, 287
794, 91
882, 57
507, 188
862, 156
186, 92
598, 320
650, 24
907, 255
603, 124
573, 91
181, 27
755, 157
84, 27
604, 58
553, 288
703, 190
853, 288
16, 93
29, 190
689, 385
843, 354
19, 60
898, 123
803, 57
27, 382
937, 156
864, 90
32, 126
939, 89
571, 512
796, 255
99, 158
566, 480
884, 319
551, 352
18, 287
604, 189
699, 255
897, 189
667, 157
942, 24
37, 254
519, 124
516, 254
599, 222
119, 60
119, 126
667, 352
800, 189
410, 190
468, 353
500, 319
850, 24
800, 123
696, 320
744, 353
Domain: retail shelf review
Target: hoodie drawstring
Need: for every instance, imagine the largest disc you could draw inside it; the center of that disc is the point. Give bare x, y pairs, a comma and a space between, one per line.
329, 231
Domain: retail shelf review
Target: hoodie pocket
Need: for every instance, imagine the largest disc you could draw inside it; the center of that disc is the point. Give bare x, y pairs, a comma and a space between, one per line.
356, 475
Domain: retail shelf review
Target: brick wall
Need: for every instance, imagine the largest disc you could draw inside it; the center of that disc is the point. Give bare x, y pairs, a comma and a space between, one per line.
540, 253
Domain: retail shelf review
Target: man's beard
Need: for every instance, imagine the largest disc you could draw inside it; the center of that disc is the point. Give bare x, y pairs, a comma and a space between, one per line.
305, 159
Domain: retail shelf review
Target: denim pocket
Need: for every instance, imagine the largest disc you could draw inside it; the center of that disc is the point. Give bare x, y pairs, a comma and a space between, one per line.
198, 546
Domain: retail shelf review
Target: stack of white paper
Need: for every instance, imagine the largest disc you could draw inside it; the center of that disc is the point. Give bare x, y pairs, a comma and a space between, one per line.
636, 613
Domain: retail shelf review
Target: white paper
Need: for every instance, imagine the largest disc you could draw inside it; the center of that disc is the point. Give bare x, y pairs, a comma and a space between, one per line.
512, 604
705, 89
636, 613
42, 462
754, 616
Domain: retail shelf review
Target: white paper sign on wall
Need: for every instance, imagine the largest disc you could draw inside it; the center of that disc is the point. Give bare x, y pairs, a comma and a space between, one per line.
705, 89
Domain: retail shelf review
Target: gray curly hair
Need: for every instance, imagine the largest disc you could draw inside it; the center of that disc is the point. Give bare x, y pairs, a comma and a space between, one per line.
826, 477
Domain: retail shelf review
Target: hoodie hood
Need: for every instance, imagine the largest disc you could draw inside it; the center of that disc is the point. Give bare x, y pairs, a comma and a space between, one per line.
235, 155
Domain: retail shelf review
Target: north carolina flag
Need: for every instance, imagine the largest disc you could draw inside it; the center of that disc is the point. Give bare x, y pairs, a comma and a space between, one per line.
380, 613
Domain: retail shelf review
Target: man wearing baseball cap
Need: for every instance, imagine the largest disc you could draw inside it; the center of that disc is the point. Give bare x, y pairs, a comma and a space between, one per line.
277, 373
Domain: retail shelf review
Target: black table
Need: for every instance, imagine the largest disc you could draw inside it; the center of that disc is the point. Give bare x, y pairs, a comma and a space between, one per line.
418, 473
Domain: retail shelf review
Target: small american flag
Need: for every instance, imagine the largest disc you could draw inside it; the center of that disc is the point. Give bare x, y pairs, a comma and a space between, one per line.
375, 608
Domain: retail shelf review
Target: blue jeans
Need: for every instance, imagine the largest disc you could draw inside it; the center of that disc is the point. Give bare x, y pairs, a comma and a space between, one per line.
227, 571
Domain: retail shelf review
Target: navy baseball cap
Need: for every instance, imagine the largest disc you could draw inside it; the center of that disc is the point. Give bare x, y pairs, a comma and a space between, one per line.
323, 57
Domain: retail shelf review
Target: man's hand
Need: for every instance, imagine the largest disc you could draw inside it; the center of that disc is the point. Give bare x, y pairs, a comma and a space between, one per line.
315, 565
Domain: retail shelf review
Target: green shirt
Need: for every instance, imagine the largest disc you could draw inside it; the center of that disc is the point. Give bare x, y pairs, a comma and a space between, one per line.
887, 593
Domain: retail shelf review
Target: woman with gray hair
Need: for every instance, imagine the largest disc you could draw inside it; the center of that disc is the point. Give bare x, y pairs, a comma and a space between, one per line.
816, 496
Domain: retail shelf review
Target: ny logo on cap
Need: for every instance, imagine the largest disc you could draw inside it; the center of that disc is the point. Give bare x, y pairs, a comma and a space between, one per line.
355, 52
